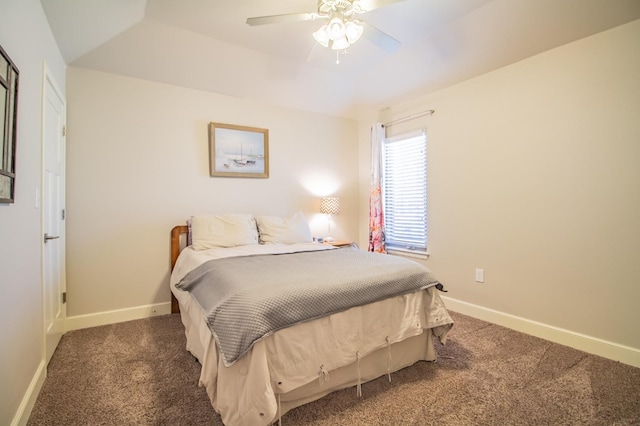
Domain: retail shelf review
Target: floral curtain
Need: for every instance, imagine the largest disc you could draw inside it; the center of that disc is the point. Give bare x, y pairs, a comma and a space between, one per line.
376, 219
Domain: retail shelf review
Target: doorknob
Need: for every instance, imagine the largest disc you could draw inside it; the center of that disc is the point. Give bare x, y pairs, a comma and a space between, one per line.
47, 238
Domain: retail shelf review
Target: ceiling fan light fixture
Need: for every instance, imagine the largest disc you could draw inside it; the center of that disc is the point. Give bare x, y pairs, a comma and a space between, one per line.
322, 36
341, 27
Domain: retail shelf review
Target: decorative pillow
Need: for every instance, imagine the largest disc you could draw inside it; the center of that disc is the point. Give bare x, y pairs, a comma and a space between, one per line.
225, 230
284, 230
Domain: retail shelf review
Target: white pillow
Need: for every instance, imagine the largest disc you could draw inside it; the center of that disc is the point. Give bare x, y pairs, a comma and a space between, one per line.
224, 230
284, 230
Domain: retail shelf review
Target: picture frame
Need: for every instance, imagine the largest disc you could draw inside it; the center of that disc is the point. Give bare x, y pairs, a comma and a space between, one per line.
9, 78
238, 151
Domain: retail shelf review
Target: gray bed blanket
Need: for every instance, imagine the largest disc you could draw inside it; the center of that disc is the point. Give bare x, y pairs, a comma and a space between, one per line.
248, 298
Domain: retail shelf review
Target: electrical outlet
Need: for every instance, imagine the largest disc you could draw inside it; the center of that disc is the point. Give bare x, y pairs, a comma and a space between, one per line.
479, 275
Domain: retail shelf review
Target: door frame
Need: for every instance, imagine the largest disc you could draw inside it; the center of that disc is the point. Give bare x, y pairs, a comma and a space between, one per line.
49, 83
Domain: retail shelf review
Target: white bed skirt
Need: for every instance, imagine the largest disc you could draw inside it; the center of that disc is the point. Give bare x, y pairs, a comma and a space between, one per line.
275, 377
372, 366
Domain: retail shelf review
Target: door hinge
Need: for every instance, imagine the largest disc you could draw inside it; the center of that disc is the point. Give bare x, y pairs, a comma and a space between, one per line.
64, 130
64, 297
64, 214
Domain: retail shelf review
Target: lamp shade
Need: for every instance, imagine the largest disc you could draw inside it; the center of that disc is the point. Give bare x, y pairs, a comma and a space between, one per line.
353, 31
322, 36
340, 44
330, 205
336, 29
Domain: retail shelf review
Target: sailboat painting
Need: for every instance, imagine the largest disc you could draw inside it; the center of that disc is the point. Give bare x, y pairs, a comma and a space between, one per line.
238, 151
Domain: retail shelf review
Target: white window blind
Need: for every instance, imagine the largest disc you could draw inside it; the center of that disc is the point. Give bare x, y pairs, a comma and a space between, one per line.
404, 191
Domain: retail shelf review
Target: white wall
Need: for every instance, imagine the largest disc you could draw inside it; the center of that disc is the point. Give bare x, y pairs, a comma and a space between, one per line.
534, 176
26, 37
137, 164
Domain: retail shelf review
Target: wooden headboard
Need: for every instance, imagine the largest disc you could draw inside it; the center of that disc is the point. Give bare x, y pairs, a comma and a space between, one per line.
176, 248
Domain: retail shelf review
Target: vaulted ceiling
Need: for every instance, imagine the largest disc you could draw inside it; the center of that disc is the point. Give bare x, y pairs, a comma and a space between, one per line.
207, 45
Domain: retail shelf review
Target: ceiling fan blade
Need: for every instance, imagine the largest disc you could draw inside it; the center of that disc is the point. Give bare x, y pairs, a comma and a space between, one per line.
367, 5
276, 19
380, 38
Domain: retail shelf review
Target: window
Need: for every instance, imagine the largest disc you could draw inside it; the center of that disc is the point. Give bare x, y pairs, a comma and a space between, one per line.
404, 192
8, 112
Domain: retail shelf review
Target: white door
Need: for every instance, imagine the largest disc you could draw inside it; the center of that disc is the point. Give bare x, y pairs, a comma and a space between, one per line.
53, 240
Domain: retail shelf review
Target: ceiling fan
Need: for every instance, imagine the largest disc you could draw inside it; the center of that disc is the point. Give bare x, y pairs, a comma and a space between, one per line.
342, 28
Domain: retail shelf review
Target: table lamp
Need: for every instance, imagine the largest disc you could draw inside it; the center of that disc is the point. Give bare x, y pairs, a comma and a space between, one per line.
329, 206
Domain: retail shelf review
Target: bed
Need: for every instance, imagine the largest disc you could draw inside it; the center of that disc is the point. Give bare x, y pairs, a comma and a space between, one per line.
254, 377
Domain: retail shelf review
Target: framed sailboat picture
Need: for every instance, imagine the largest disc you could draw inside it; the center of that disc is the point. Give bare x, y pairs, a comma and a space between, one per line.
238, 151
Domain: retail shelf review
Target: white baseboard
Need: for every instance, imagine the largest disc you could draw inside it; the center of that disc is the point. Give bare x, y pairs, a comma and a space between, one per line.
119, 315
29, 398
592, 345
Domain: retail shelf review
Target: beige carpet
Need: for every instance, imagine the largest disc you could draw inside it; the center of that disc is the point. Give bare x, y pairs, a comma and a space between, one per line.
138, 373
